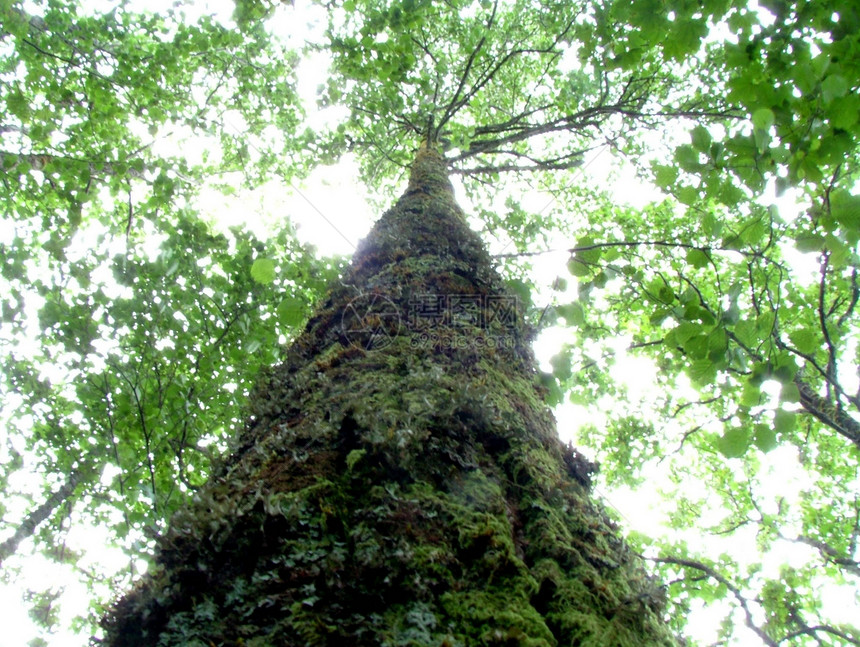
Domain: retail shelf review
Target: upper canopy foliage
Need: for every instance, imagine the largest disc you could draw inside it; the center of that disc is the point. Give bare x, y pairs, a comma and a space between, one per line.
132, 327
504, 86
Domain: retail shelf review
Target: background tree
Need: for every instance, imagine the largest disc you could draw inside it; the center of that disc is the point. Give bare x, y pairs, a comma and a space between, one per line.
755, 360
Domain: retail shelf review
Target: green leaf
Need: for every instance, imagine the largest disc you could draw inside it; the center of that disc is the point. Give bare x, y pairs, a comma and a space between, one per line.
573, 313
561, 367
845, 209
809, 242
588, 255
804, 77
697, 346
784, 421
731, 315
291, 312
711, 225
844, 112
734, 443
18, 105
730, 194
789, 393
353, 457
751, 394
521, 290
762, 143
763, 118
578, 268
764, 323
554, 393
753, 231
834, 86
688, 195
702, 372
717, 343
263, 270
804, 340
698, 258
764, 437
701, 138
687, 158
785, 367
658, 316
685, 330
840, 252
761, 371
665, 176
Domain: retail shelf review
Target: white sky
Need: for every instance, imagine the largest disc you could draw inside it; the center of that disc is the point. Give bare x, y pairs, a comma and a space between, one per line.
332, 213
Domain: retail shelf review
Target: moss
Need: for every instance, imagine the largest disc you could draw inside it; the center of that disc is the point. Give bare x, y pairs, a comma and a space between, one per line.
498, 615
414, 493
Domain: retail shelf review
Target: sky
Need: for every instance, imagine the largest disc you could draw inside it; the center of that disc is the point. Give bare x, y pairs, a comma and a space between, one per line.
332, 212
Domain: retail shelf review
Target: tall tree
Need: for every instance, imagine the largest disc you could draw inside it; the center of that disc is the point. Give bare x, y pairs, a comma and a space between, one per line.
401, 482
132, 329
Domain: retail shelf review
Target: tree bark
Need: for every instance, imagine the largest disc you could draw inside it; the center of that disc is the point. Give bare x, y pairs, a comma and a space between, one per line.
401, 481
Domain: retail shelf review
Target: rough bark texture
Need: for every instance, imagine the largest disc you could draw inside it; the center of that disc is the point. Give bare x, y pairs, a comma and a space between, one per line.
401, 481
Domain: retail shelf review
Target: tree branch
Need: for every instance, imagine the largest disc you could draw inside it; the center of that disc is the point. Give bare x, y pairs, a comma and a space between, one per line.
832, 416
828, 552
41, 161
504, 168
672, 244
455, 103
36, 517
812, 630
710, 572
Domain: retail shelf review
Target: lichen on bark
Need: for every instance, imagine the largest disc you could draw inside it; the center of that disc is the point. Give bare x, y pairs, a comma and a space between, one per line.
400, 481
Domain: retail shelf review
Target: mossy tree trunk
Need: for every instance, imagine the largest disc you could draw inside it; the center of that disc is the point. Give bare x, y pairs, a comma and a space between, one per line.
401, 481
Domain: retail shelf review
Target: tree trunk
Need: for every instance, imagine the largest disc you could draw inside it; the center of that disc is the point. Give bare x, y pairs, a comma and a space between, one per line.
401, 481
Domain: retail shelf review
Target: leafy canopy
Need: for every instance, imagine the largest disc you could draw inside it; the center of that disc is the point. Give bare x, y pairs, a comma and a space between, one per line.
133, 325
